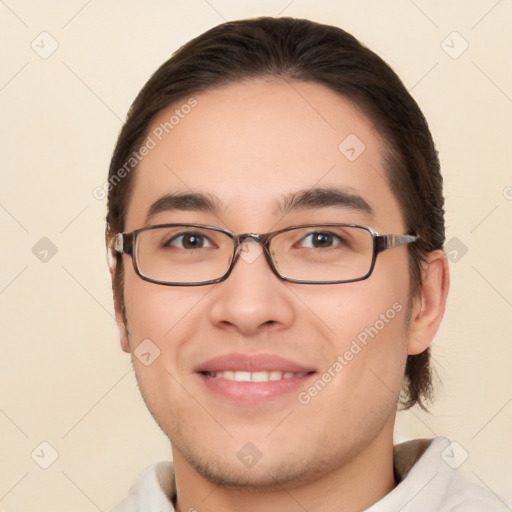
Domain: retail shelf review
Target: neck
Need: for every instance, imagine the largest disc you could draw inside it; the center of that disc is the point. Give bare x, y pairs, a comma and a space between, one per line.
354, 486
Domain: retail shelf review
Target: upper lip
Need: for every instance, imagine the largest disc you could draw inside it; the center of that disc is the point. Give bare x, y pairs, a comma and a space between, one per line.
251, 363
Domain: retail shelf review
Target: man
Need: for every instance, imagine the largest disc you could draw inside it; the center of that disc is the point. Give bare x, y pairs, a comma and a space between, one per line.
276, 228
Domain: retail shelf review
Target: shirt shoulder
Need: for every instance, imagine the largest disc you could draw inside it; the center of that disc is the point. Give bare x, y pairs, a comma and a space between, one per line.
153, 490
428, 483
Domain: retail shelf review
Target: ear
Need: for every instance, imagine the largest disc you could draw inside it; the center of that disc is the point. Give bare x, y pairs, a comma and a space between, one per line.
118, 309
429, 303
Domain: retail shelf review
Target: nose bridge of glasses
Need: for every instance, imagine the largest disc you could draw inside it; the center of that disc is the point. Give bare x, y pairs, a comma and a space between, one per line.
242, 241
249, 246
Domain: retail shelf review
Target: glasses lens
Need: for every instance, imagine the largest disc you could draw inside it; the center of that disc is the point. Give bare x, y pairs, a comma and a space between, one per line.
183, 254
323, 253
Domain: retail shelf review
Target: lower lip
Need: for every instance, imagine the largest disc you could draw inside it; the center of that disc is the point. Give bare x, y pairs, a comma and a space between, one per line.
254, 393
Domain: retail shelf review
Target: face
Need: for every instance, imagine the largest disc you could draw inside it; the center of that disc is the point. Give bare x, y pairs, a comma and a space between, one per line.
337, 352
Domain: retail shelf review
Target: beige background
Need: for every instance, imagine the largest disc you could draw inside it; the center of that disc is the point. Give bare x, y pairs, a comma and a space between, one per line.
63, 377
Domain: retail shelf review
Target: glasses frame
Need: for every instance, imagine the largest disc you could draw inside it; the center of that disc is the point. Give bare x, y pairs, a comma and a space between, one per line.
124, 243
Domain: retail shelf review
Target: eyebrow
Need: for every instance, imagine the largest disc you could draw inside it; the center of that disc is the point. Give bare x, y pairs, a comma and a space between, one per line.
183, 202
315, 198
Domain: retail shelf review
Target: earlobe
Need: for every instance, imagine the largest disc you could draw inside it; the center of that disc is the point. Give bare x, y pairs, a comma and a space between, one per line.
429, 304
118, 307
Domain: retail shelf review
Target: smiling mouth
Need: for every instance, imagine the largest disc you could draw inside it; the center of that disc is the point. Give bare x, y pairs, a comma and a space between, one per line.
262, 376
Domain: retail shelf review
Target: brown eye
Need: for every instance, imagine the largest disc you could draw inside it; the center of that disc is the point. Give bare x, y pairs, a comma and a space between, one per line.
189, 241
321, 240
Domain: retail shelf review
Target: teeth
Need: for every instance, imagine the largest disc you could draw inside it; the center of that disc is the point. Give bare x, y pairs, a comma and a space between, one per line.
255, 376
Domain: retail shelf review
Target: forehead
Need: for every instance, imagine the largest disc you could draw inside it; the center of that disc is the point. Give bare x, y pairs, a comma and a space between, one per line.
250, 145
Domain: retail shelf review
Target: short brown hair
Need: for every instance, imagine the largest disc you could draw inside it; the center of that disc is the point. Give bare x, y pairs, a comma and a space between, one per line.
303, 50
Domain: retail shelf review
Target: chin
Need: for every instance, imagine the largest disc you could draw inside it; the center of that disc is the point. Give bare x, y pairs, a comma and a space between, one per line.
268, 476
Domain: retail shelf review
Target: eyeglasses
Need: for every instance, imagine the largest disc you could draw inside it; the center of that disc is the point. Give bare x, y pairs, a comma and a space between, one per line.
194, 254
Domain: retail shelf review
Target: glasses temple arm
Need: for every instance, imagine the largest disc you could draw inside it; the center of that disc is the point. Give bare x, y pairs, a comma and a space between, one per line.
390, 241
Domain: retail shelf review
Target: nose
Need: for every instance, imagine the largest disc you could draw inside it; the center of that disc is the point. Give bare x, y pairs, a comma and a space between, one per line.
252, 299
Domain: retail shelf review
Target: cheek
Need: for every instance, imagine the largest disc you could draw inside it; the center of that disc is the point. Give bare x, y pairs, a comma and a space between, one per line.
156, 311
368, 342
160, 321
363, 308
372, 356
